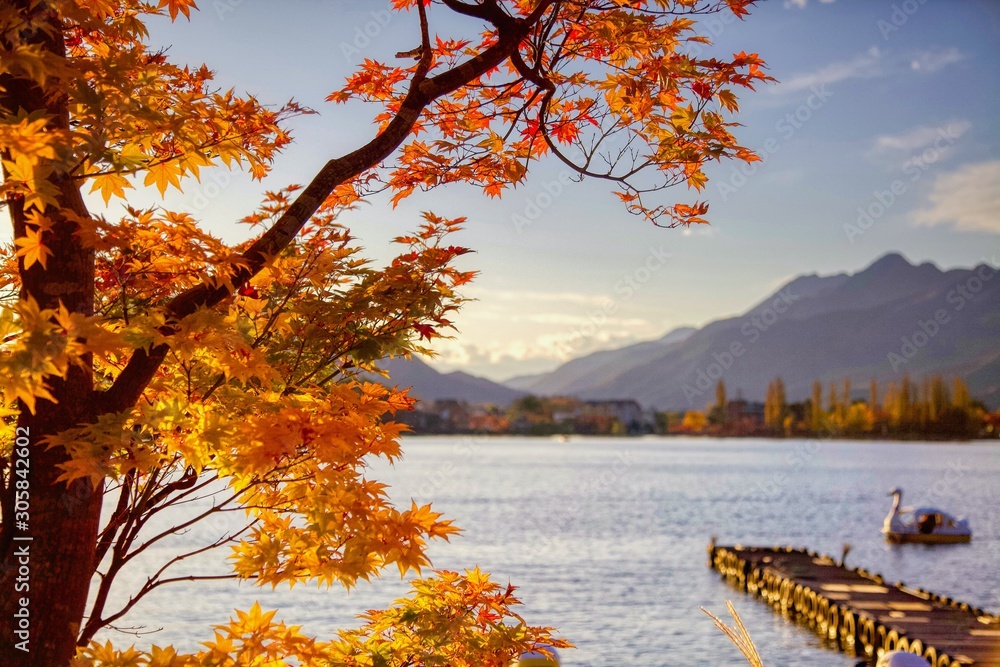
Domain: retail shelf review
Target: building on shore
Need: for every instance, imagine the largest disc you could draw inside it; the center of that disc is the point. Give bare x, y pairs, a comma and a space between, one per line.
538, 416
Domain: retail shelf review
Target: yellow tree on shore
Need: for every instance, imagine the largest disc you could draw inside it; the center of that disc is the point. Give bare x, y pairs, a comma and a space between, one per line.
816, 406
718, 412
146, 363
775, 408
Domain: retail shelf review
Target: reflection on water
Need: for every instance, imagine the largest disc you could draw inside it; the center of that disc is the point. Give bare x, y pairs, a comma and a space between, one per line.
606, 538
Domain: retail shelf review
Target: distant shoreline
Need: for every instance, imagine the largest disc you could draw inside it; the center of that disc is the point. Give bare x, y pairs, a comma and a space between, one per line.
666, 436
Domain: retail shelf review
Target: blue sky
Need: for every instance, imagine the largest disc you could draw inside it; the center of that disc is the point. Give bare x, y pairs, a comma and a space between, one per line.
881, 136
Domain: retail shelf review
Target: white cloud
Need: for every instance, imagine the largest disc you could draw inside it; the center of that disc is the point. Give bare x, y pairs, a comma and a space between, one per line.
870, 64
801, 4
499, 359
920, 137
700, 230
863, 66
562, 319
968, 198
537, 297
451, 353
929, 62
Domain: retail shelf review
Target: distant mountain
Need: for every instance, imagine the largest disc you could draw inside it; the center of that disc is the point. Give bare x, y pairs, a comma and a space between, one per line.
598, 368
430, 385
523, 382
887, 320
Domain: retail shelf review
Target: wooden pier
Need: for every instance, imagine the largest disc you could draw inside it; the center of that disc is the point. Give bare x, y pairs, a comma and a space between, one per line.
858, 611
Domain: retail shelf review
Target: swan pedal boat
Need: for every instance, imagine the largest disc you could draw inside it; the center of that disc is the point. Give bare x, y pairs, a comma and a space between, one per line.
923, 525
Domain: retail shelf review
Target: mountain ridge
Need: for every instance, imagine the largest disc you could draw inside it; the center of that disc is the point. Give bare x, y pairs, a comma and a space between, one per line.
826, 328
428, 384
596, 364
886, 320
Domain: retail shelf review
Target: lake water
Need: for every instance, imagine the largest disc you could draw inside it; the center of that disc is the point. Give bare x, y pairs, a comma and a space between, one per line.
606, 538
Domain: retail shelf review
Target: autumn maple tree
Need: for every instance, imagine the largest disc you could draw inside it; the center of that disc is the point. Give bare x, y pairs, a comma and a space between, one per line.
146, 364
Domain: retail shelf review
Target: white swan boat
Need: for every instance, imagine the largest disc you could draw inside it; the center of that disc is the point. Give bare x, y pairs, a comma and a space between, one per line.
926, 525
900, 659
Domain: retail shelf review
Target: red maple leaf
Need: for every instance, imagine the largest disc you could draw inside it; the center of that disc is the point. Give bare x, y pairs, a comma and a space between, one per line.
425, 331
702, 89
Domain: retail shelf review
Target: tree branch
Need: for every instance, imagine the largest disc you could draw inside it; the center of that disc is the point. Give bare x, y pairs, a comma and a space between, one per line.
143, 364
118, 517
96, 622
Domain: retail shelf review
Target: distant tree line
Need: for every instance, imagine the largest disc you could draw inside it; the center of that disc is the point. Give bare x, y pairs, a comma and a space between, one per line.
930, 408
530, 415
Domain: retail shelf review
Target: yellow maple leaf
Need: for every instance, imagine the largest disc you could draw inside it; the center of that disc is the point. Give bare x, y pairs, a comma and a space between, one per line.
131, 155
697, 180
32, 249
728, 100
684, 117
162, 175
42, 222
110, 185
32, 175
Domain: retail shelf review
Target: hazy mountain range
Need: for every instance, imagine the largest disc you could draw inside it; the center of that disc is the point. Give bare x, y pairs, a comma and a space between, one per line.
887, 320
429, 384
597, 368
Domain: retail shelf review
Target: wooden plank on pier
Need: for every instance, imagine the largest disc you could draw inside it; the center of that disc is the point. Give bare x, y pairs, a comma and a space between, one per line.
858, 611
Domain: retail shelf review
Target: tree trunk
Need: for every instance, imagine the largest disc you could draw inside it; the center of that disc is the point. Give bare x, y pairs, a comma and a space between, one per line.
48, 538
47, 557
48, 560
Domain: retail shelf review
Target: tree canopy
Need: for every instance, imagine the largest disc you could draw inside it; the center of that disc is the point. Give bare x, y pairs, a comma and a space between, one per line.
145, 363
